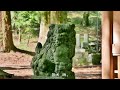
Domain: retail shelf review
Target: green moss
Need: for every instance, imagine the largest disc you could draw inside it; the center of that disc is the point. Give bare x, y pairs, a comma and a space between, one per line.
96, 59
56, 54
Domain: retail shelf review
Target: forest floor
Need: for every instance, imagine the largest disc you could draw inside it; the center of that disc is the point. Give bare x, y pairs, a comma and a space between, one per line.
19, 65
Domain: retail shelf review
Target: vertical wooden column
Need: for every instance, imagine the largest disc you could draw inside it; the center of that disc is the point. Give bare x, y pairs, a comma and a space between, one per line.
112, 59
116, 39
107, 23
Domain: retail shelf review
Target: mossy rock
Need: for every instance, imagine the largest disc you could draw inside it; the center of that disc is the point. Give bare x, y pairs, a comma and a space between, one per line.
55, 56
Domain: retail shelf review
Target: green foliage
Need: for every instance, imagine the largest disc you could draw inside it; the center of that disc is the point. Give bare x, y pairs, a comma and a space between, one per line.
95, 13
86, 15
83, 61
96, 59
27, 21
85, 45
31, 19
93, 22
80, 18
76, 20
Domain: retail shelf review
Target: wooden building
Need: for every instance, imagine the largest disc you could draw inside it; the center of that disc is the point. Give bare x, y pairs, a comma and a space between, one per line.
111, 45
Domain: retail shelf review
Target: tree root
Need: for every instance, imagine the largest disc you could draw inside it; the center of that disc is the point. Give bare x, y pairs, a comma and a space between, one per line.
23, 51
15, 49
5, 75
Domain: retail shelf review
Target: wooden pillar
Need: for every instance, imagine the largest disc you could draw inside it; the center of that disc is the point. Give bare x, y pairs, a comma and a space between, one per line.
107, 23
116, 39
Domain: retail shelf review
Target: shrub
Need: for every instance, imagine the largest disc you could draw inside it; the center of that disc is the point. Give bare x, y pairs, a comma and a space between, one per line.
93, 22
96, 59
76, 20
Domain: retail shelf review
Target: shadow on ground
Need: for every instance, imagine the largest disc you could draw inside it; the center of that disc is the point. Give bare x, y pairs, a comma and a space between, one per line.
14, 68
22, 77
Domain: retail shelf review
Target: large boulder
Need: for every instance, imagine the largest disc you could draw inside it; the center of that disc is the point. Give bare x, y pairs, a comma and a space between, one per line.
54, 59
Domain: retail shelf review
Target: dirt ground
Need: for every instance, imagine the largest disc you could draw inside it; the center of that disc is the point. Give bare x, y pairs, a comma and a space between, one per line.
19, 65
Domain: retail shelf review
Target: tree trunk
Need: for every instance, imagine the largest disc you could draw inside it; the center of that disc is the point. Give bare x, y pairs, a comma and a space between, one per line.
2, 73
19, 36
1, 35
86, 18
8, 44
45, 20
58, 17
7, 33
28, 40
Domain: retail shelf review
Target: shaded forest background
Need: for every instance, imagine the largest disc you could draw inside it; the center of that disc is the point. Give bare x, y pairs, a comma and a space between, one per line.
26, 26
21, 30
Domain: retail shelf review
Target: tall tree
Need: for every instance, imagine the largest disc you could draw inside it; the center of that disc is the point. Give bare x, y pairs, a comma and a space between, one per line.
1, 43
7, 32
47, 18
0, 21
25, 22
86, 18
58, 17
44, 26
2, 73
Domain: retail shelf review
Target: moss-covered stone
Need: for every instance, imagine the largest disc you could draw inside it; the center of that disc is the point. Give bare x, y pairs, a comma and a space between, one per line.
54, 59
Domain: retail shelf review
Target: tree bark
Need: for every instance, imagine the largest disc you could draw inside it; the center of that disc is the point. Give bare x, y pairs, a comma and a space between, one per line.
19, 36
58, 17
2, 73
44, 26
1, 35
86, 18
7, 33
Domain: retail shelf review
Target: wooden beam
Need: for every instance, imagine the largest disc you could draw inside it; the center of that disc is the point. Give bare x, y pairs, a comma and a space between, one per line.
107, 23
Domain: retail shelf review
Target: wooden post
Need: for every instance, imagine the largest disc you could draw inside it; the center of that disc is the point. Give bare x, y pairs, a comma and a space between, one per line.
107, 23
116, 38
